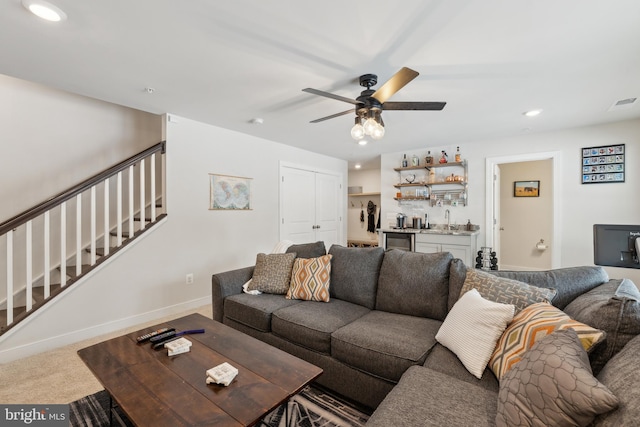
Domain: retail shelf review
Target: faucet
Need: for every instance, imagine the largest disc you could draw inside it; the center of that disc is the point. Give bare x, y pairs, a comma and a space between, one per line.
447, 216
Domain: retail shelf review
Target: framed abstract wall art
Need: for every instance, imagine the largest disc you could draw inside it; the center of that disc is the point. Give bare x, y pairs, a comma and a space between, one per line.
229, 192
604, 164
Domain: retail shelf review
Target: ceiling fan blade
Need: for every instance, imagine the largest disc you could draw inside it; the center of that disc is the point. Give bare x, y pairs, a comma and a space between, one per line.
353, 110
330, 95
413, 105
395, 83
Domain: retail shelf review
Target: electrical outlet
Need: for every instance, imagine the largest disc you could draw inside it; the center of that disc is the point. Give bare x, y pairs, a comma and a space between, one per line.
189, 279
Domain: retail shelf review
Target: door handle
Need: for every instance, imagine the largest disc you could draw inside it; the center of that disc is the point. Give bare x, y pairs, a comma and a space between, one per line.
314, 227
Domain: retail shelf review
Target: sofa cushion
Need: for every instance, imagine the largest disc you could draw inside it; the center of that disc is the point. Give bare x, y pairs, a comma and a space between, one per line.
354, 274
308, 250
568, 282
531, 325
443, 360
272, 273
553, 386
428, 398
457, 274
254, 310
310, 324
414, 283
622, 376
613, 307
384, 344
310, 279
505, 291
472, 329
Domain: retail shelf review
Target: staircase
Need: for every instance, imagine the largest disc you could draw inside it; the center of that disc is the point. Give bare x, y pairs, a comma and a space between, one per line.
54, 245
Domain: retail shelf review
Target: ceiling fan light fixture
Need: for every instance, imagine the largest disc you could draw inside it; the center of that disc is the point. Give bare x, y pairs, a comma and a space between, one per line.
357, 131
378, 132
370, 126
370, 104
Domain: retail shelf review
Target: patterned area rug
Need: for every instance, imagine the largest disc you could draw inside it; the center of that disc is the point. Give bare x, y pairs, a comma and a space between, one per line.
312, 407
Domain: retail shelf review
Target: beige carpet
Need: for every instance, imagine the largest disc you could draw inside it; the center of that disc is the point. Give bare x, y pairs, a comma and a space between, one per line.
59, 376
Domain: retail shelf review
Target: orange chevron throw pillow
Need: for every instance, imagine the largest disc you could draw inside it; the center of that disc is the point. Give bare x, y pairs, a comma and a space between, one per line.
310, 279
530, 326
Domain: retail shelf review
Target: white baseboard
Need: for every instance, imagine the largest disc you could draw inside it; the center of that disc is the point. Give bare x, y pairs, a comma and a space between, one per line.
73, 337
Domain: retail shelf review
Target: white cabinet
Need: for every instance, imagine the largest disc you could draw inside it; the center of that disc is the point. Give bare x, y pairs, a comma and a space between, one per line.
460, 246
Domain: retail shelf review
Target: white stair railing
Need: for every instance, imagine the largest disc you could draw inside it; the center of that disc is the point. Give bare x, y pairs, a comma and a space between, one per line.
37, 240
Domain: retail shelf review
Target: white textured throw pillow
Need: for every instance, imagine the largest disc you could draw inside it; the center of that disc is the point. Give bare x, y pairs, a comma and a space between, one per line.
472, 328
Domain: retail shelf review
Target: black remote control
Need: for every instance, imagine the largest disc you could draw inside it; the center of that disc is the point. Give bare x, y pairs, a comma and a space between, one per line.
162, 337
146, 337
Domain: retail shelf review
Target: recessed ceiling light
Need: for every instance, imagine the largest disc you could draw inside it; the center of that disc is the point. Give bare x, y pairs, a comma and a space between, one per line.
44, 10
363, 142
358, 166
532, 113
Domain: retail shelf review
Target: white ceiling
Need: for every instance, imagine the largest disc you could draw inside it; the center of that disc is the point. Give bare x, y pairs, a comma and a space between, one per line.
226, 62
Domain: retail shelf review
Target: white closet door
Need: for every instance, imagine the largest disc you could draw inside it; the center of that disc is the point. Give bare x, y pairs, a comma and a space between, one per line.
310, 203
297, 216
327, 215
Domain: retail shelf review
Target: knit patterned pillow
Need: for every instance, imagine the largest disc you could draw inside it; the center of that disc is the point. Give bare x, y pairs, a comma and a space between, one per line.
505, 291
531, 325
272, 273
553, 386
310, 279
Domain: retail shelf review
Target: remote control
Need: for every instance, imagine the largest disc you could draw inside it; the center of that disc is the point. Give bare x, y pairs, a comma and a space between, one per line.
162, 337
146, 337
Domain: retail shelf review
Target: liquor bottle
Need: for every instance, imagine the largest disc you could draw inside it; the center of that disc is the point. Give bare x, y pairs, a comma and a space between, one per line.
415, 161
404, 162
458, 156
429, 159
443, 158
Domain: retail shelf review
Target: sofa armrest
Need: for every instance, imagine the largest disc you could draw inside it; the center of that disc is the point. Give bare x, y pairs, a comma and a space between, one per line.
225, 284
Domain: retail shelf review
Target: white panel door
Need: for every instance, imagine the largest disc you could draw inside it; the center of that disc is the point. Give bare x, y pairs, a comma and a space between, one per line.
327, 214
309, 206
297, 218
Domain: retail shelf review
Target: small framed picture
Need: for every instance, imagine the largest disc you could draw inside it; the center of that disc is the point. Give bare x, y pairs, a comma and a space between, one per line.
526, 189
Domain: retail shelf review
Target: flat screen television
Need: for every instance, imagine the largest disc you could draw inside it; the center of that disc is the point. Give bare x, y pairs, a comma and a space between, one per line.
616, 245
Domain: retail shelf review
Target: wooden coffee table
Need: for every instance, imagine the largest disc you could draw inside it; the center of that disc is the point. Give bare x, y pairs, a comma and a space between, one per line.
154, 389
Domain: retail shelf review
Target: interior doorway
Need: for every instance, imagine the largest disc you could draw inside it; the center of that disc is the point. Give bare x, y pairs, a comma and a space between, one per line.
515, 226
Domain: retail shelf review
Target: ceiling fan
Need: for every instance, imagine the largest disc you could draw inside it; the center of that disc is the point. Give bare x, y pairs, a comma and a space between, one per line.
370, 104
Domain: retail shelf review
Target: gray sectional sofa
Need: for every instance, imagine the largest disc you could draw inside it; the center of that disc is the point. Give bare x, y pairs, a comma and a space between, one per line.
376, 337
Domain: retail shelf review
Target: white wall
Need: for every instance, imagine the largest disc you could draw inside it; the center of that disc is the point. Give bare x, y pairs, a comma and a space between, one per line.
52, 140
581, 205
148, 280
